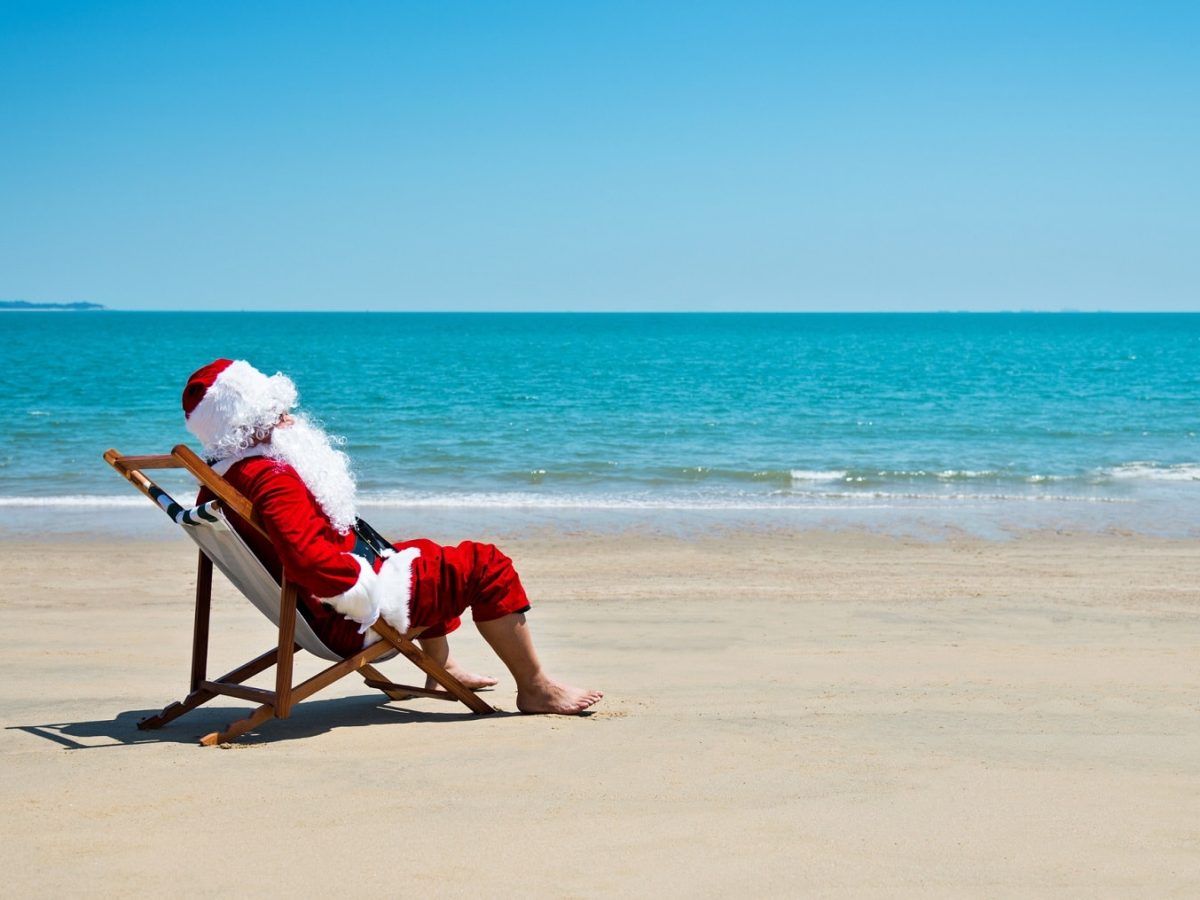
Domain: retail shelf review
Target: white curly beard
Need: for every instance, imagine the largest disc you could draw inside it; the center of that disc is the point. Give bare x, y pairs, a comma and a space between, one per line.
323, 468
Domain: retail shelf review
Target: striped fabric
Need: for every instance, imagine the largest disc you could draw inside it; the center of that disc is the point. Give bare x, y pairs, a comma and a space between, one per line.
205, 513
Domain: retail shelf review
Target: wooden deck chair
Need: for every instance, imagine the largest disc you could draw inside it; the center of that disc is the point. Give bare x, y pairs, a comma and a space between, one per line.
220, 545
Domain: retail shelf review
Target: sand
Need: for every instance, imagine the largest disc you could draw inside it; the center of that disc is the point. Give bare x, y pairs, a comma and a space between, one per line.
786, 714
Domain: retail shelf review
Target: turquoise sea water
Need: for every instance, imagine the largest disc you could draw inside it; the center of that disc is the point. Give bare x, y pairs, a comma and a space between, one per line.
989, 422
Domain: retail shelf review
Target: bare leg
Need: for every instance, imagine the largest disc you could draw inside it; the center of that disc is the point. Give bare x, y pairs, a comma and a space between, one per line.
439, 649
537, 692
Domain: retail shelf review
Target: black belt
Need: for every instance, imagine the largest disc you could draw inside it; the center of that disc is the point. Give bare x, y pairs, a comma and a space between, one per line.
369, 543
364, 550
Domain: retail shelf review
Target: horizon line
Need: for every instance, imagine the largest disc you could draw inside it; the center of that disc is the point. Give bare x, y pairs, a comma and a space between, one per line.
625, 312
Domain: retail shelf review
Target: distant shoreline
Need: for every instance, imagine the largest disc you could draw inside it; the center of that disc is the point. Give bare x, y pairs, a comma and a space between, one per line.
29, 306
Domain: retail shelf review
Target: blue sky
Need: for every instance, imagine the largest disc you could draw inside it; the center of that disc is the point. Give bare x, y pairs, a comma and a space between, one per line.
601, 155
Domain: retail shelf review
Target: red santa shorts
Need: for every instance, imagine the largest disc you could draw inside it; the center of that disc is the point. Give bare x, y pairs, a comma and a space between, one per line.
449, 580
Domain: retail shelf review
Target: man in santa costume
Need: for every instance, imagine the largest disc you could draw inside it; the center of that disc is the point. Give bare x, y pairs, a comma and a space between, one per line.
304, 490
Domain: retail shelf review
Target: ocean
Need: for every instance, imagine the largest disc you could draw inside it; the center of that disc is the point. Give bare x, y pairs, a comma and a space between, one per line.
915, 423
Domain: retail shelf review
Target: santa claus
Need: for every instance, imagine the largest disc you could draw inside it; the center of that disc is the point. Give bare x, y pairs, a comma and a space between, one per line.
303, 487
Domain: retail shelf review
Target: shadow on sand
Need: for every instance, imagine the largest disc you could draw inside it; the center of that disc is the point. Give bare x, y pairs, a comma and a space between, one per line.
308, 719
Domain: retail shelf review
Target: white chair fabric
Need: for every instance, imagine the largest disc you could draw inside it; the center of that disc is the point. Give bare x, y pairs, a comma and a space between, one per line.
208, 527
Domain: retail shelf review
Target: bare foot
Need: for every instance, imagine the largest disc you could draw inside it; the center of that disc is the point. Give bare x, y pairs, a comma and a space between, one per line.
547, 696
470, 680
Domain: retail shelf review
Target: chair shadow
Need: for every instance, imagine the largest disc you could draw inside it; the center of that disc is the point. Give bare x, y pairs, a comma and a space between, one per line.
308, 719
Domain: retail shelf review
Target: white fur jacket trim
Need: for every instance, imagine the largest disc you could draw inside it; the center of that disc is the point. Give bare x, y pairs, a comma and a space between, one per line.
384, 594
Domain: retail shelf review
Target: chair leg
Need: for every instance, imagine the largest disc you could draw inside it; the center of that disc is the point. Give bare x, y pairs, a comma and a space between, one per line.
196, 695
374, 679
199, 697
288, 597
236, 729
454, 689
426, 664
175, 710
204, 574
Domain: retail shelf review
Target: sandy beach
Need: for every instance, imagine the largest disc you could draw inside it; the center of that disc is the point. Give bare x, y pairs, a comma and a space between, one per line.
786, 715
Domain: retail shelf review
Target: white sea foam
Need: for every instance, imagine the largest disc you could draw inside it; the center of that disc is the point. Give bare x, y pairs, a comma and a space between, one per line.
715, 502
1148, 471
811, 475
75, 500
508, 500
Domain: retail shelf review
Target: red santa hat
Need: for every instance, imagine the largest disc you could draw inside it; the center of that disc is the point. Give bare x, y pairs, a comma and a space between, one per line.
229, 403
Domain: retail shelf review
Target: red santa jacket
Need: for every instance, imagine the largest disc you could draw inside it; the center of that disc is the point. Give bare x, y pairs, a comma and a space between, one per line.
342, 594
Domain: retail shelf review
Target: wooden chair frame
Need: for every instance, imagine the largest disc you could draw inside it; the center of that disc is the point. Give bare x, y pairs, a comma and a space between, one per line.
276, 704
